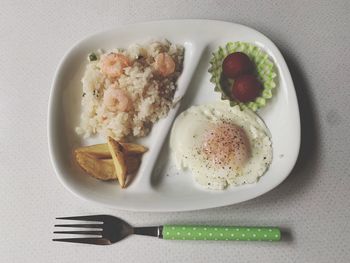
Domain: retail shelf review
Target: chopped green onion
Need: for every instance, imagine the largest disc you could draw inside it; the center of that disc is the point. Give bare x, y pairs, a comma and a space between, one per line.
92, 57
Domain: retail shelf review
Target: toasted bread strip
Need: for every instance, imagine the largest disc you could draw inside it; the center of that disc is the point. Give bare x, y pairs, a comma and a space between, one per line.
103, 169
133, 148
101, 151
118, 159
100, 169
132, 163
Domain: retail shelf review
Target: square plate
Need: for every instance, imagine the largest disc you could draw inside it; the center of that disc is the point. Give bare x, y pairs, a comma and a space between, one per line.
158, 186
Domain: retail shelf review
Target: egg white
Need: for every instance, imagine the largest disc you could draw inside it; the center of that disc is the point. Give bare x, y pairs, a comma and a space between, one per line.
187, 136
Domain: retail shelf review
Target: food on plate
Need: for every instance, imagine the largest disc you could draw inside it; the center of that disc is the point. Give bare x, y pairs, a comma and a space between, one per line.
113, 64
236, 59
125, 91
118, 160
116, 100
132, 163
133, 148
221, 145
104, 169
237, 64
164, 64
111, 160
246, 88
101, 169
101, 150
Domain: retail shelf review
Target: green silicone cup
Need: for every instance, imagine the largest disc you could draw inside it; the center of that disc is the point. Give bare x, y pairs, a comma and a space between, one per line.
188, 232
265, 69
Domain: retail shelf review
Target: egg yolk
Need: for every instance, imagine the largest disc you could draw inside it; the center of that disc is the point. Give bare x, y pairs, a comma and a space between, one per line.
226, 145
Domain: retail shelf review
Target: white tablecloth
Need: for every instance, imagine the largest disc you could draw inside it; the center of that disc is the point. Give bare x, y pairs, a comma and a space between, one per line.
312, 204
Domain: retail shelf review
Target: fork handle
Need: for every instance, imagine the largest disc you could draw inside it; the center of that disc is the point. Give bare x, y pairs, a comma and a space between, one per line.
193, 232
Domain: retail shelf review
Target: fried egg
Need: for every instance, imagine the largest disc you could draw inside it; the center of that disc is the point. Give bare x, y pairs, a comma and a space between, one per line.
221, 145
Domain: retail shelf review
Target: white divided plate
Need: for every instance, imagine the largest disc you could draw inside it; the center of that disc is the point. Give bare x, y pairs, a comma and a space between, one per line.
158, 186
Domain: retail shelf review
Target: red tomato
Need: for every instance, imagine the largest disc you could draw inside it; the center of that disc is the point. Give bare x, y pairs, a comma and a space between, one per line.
237, 64
246, 88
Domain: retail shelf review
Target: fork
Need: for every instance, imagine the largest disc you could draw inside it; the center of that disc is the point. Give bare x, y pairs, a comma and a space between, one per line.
109, 229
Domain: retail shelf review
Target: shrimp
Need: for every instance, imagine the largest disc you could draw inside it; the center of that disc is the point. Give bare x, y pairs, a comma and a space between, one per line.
113, 64
164, 64
116, 100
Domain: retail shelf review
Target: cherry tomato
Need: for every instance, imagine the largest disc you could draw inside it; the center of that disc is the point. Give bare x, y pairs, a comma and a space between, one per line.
246, 88
237, 64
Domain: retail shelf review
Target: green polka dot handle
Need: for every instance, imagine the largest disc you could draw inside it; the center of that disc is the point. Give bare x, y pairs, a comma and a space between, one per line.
188, 232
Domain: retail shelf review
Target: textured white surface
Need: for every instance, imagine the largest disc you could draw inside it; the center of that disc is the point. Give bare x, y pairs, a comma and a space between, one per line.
313, 203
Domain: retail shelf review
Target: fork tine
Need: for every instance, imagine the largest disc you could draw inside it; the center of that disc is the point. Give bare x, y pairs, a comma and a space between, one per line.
88, 240
98, 233
96, 218
81, 225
